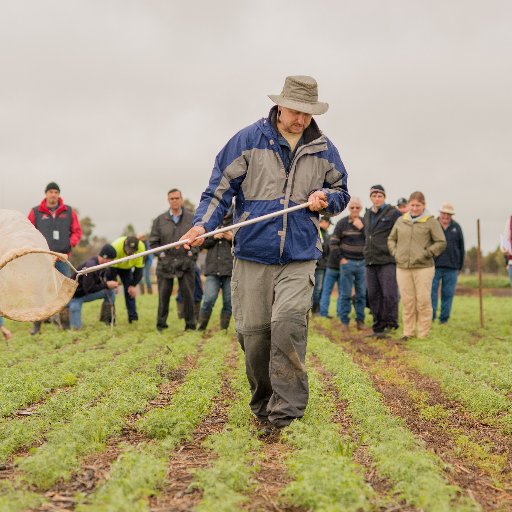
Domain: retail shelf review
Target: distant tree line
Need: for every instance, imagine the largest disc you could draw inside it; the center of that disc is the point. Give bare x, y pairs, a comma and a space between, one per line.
492, 263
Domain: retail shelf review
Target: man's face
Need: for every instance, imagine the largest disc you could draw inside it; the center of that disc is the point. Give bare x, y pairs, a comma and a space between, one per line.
292, 121
377, 199
175, 201
52, 197
324, 224
445, 218
403, 208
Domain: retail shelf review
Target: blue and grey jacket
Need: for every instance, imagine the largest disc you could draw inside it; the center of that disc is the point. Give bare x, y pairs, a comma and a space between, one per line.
250, 168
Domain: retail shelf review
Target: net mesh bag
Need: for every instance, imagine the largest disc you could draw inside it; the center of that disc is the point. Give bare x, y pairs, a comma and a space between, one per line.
31, 288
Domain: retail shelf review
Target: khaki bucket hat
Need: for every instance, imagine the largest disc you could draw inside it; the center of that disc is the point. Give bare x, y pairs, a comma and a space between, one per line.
300, 93
447, 208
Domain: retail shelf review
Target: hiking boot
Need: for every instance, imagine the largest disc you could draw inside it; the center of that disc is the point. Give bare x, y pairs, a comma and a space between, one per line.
360, 326
36, 328
203, 321
64, 318
108, 313
224, 321
344, 328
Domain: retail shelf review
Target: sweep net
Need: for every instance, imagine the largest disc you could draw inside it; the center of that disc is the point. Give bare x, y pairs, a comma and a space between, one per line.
31, 288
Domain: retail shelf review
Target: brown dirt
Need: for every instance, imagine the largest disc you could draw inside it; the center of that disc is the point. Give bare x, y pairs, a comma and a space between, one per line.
437, 437
361, 456
179, 493
96, 467
466, 291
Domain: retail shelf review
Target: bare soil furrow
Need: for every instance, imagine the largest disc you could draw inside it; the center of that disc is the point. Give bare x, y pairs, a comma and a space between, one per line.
179, 493
436, 435
361, 456
96, 467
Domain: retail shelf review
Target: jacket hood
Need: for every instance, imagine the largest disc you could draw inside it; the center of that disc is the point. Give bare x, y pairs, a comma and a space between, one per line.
421, 218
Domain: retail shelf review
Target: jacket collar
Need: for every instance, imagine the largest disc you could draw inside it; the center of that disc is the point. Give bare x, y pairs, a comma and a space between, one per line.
60, 208
311, 133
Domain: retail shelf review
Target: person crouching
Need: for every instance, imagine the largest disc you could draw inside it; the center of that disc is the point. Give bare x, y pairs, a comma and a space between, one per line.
94, 286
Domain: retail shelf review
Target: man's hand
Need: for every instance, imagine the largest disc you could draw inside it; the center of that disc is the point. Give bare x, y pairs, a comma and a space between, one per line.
318, 201
112, 284
192, 235
132, 291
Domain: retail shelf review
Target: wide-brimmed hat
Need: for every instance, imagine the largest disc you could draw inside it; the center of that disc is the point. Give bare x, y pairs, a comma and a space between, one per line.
300, 93
447, 208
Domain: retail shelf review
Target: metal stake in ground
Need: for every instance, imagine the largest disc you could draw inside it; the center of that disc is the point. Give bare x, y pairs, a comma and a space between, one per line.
186, 241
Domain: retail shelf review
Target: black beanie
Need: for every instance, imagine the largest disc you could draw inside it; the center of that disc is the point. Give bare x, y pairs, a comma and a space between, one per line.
377, 188
52, 186
108, 252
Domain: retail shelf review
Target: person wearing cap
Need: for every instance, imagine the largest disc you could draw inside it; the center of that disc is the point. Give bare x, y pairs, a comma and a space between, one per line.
59, 225
380, 265
94, 286
280, 161
448, 264
347, 242
402, 206
130, 272
321, 266
415, 240
177, 262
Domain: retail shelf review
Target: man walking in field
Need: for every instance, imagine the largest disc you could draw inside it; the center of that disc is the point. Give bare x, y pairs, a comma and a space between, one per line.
278, 162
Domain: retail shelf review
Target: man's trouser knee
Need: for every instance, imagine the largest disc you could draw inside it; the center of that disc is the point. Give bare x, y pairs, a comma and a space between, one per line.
270, 305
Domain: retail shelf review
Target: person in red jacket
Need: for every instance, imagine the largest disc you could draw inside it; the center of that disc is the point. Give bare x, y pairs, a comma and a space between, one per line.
60, 226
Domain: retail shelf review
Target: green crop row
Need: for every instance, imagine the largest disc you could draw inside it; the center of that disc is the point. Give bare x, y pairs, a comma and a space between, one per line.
25, 384
494, 371
480, 399
415, 473
140, 470
88, 430
325, 477
227, 481
471, 448
19, 432
23, 347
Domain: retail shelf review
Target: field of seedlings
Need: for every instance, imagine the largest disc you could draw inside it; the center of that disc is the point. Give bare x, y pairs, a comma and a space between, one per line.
132, 420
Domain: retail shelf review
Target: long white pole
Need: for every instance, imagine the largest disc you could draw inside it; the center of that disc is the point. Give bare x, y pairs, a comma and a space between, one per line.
183, 242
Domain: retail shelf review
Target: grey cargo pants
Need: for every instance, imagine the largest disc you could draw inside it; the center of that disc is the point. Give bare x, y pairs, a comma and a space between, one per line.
270, 306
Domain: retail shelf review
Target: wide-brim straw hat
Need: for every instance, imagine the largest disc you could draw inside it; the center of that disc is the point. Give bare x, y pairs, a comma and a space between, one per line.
300, 93
447, 208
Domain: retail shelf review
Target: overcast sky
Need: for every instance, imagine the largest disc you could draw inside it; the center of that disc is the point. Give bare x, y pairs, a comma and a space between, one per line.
119, 101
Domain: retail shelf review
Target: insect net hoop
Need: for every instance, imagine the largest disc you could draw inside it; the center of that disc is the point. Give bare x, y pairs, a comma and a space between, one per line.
31, 288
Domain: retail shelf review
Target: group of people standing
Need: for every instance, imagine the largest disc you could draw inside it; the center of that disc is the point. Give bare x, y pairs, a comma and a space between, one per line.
60, 226
391, 253
280, 161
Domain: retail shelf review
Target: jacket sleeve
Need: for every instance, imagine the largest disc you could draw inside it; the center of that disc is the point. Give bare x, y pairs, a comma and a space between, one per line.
438, 244
90, 283
335, 239
462, 248
392, 240
335, 183
32, 216
154, 235
227, 175
75, 231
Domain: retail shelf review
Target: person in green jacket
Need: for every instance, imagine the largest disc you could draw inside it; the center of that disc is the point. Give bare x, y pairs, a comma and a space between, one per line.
415, 240
130, 272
